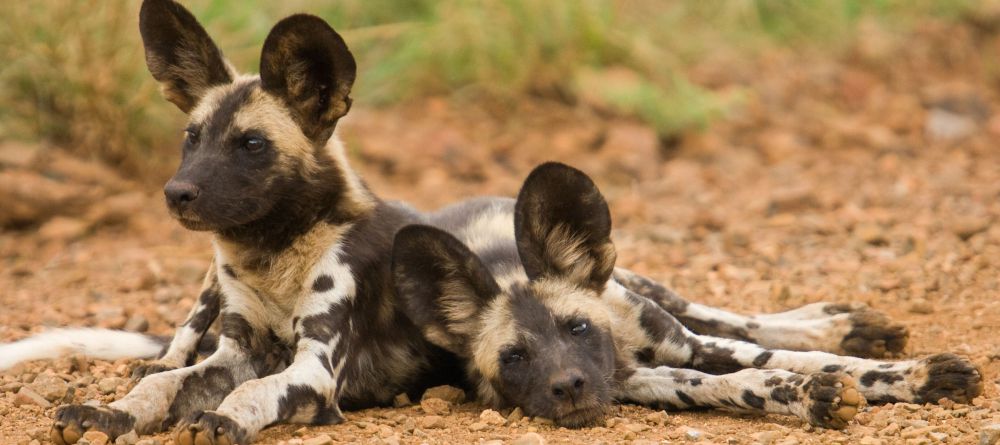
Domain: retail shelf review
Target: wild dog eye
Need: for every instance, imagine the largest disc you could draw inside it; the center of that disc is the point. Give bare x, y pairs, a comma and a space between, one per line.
191, 135
511, 357
254, 144
579, 327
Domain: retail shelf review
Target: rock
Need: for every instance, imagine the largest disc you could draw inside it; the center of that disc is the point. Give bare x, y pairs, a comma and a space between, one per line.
658, 418
515, 415
944, 125
149, 442
478, 426
49, 386
109, 385
432, 422
870, 234
870, 441
63, 229
96, 438
137, 323
989, 434
529, 439
693, 434
26, 396
636, 427
967, 226
323, 439
792, 200
385, 431
921, 306
129, 438
401, 400
891, 430
940, 437
491, 417
766, 437
435, 406
447, 393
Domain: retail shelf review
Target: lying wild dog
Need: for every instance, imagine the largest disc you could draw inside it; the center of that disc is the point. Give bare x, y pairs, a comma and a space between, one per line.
300, 283
528, 295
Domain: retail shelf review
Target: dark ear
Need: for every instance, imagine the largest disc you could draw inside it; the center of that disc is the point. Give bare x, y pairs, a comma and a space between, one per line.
307, 64
180, 54
563, 227
443, 284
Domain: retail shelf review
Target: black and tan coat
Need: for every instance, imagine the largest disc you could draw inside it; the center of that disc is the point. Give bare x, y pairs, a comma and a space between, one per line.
300, 286
527, 293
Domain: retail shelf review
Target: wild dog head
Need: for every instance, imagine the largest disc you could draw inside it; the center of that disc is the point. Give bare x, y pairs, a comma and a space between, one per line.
255, 149
533, 328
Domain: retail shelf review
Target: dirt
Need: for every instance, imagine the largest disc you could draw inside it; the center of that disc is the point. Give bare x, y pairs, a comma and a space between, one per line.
873, 177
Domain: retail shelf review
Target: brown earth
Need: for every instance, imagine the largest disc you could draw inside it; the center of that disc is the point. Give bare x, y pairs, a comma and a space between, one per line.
873, 177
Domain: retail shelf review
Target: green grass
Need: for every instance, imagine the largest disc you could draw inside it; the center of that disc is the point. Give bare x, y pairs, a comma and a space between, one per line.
74, 73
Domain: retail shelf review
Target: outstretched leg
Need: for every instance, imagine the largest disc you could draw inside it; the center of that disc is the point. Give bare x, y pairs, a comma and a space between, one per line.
919, 381
183, 348
822, 399
852, 329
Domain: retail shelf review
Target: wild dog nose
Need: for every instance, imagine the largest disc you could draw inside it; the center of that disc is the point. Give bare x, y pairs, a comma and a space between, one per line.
568, 385
180, 194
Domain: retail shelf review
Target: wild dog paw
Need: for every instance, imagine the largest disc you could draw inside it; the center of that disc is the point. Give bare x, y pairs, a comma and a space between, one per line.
872, 334
947, 376
209, 428
145, 369
832, 400
74, 420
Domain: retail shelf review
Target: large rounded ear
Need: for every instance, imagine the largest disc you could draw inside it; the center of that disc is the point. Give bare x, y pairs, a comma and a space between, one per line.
307, 64
180, 54
444, 285
563, 227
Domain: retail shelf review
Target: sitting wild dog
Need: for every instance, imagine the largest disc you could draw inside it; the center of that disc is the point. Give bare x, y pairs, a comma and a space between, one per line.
527, 294
300, 285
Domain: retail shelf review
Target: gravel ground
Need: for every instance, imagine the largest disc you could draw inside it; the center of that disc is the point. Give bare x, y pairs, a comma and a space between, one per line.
871, 178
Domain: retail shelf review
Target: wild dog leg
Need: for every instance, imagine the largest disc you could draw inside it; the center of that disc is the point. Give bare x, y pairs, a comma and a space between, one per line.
822, 399
306, 392
161, 399
853, 329
183, 347
920, 381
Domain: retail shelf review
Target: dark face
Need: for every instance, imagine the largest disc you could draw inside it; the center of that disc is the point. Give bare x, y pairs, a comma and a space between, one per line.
560, 366
231, 173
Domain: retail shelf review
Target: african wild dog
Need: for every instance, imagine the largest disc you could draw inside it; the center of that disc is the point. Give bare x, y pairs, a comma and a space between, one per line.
300, 282
544, 321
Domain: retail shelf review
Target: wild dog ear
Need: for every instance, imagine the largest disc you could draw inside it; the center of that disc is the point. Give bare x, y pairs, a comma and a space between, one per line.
563, 227
307, 64
180, 54
444, 285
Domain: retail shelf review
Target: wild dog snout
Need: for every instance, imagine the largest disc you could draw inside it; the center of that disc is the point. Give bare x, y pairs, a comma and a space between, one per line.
568, 386
180, 194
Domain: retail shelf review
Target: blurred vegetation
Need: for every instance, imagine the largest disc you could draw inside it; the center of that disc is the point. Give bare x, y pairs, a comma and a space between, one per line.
75, 76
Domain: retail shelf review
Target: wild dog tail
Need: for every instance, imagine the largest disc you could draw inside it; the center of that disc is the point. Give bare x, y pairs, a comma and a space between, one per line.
104, 344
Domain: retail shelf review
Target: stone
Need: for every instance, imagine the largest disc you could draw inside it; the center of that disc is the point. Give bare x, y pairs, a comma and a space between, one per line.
26, 396
491, 417
322, 439
766, 437
447, 393
137, 323
891, 430
693, 434
870, 441
515, 415
636, 427
129, 438
658, 418
529, 439
63, 229
50, 386
478, 426
401, 400
149, 442
989, 434
432, 422
109, 385
96, 438
435, 406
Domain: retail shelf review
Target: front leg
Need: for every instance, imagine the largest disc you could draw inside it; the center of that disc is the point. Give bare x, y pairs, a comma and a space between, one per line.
823, 399
183, 348
852, 329
306, 392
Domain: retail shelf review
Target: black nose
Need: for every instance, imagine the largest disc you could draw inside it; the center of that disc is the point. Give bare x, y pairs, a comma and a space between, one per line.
568, 385
180, 194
